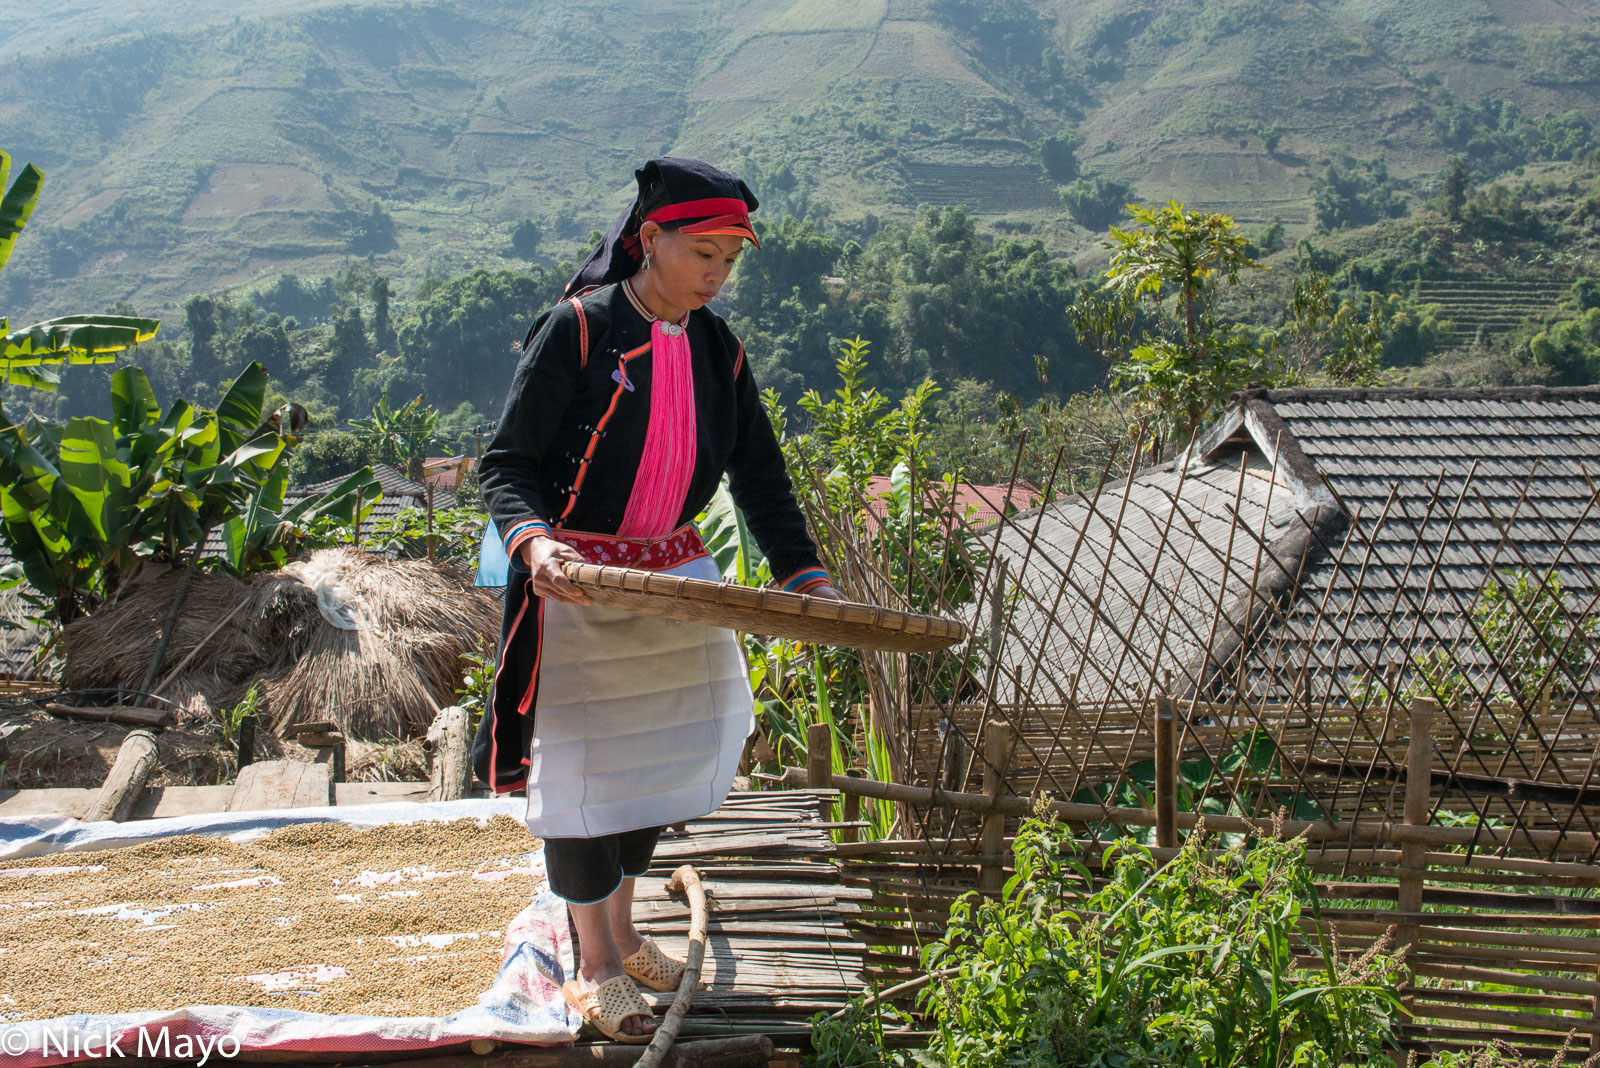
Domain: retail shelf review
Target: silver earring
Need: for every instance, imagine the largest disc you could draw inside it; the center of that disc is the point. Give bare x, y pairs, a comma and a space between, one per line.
646, 261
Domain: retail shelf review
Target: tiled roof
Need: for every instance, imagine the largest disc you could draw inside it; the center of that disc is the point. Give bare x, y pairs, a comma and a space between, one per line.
1442, 489
396, 486
976, 505
445, 472
399, 493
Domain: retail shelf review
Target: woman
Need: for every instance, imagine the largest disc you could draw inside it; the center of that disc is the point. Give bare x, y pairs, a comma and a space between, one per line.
630, 403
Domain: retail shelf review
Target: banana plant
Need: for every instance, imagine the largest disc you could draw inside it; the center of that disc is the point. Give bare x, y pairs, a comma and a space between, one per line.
83, 504
25, 355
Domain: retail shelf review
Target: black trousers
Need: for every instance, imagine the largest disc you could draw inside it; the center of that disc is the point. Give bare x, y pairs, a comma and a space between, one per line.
586, 871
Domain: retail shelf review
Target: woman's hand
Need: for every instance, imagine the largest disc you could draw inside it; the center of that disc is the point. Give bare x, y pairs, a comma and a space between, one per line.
826, 593
544, 556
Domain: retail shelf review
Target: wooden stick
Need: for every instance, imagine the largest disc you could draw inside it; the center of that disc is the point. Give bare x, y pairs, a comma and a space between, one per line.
1413, 855
687, 880
138, 716
125, 782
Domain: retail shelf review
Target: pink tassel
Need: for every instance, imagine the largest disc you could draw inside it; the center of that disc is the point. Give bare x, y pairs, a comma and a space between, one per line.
667, 465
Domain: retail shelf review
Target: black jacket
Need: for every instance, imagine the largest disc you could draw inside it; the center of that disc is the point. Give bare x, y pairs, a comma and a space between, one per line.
565, 405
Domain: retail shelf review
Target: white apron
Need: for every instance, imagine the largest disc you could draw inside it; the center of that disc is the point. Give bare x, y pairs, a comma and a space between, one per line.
640, 721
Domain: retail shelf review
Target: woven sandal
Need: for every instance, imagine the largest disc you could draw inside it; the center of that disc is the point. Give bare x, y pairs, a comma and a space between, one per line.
654, 968
608, 1004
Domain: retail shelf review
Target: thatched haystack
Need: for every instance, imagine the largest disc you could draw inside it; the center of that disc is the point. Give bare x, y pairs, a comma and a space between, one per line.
113, 647
374, 653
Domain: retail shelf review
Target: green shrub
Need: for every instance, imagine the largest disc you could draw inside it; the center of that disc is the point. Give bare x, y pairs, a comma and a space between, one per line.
1094, 202
1189, 964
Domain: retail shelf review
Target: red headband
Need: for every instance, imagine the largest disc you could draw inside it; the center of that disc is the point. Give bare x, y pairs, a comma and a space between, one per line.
694, 209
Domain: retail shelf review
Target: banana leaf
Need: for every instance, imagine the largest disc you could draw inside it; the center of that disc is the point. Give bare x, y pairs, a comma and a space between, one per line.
239, 414
75, 339
94, 475
133, 403
728, 540
17, 204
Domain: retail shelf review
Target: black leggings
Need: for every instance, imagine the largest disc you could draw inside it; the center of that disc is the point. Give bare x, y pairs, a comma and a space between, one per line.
586, 871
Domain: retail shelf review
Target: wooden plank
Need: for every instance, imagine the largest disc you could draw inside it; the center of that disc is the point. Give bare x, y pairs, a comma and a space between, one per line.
58, 801
378, 793
277, 784
161, 801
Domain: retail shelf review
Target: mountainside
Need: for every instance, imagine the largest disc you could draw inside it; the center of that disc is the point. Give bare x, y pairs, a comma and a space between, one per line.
202, 145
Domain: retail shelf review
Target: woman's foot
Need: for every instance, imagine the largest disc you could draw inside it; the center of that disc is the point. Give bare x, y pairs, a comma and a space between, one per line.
586, 981
628, 938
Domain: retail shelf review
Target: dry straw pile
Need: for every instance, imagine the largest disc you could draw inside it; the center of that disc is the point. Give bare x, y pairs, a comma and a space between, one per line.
381, 680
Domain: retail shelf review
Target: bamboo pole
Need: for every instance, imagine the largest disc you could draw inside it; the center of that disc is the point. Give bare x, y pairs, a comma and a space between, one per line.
996, 755
1316, 831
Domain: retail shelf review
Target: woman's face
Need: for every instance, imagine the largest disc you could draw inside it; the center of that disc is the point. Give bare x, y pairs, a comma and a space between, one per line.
687, 270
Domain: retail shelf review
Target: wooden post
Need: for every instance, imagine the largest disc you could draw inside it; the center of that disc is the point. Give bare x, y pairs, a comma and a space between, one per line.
819, 756
450, 769
247, 741
125, 782
996, 755
430, 513
1594, 1017
852, 810
1413, 855
1166, 773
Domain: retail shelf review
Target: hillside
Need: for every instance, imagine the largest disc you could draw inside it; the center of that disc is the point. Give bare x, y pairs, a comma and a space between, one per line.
199, 146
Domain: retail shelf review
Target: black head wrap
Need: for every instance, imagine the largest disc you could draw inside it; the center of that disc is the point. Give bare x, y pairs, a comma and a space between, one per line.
684, 193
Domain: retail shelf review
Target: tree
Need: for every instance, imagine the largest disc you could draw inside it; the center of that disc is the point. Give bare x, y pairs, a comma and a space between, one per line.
1570, 349
82, 503
1059, 154
1174, 262
525, 238
1326, 336
383, 333
1352, 192
399, 436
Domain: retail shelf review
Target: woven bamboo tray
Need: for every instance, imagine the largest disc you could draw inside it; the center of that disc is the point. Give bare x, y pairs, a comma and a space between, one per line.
760, 611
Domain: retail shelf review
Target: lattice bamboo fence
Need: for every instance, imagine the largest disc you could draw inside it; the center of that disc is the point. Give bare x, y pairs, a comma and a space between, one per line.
1417, 692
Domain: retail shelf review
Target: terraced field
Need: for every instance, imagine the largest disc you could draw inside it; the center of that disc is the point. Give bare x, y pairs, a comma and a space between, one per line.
1494, 304
985, 190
